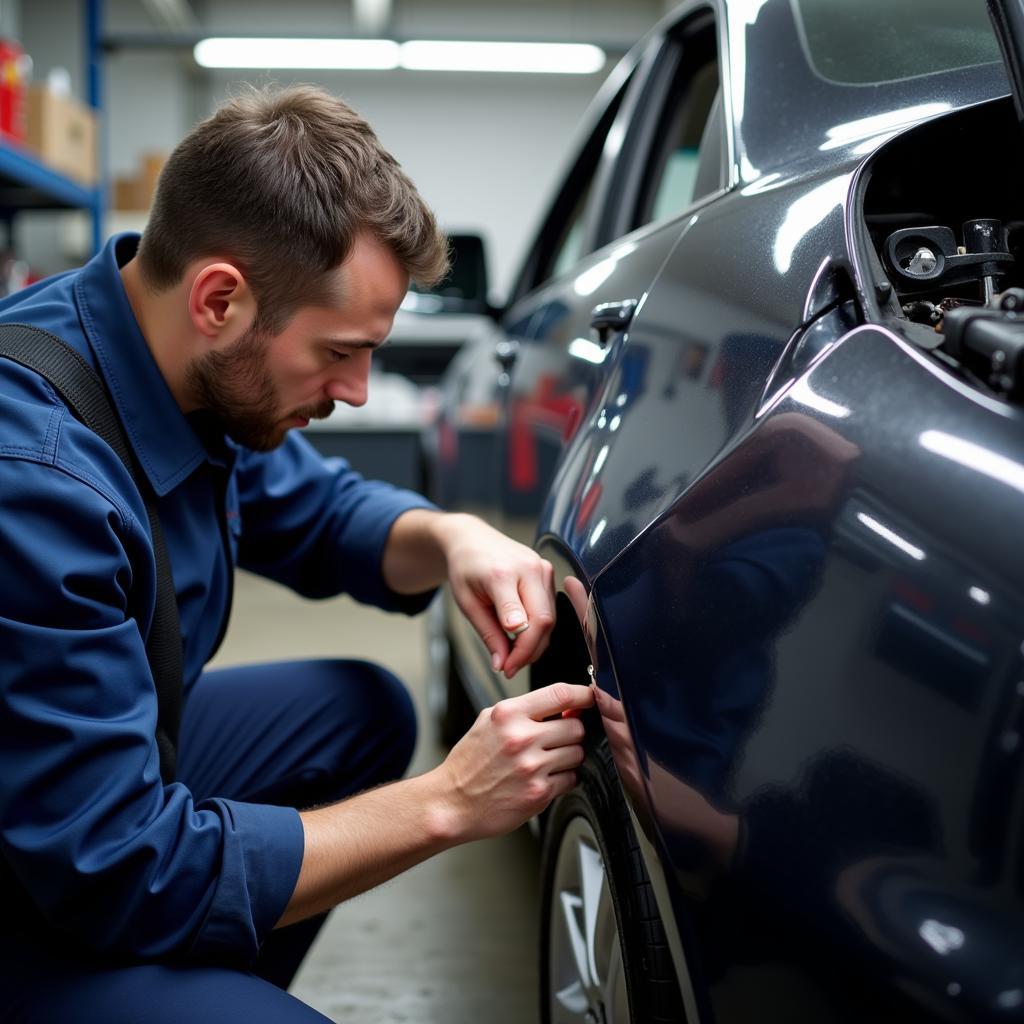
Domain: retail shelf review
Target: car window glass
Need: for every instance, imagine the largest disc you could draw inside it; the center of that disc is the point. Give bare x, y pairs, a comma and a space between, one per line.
570, 249
563, 236
866, 42
685, 161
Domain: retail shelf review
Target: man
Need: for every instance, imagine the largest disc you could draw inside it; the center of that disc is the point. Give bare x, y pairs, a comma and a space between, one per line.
280, 244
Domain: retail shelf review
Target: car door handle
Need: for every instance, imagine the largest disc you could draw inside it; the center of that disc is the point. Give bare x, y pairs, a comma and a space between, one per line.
612, 318
505, 353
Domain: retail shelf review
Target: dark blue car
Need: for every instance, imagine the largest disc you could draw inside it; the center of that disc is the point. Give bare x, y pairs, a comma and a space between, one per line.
756, 395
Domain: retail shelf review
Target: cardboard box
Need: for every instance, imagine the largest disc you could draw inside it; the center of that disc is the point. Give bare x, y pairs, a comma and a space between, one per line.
152, 165
126, 194
63, 132
135, 192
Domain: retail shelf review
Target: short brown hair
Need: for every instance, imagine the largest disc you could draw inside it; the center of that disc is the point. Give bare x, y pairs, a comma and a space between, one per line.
282, 181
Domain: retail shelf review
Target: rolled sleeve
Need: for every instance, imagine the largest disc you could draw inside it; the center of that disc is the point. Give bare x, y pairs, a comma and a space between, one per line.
263, 850
319, 527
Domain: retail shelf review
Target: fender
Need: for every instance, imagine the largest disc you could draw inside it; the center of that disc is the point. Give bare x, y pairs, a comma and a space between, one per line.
578, 653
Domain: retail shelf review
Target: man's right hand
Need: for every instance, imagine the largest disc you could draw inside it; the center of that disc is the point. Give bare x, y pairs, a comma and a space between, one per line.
507, 768
513, 762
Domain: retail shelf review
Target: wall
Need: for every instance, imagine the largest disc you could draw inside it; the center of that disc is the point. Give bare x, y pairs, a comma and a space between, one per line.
10, 19
484, 150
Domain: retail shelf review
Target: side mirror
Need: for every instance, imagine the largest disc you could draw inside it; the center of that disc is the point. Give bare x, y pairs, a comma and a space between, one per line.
464, 290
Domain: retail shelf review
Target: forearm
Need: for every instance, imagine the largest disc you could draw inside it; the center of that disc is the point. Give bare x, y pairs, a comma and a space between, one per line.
516, 758
354, 845
414, 556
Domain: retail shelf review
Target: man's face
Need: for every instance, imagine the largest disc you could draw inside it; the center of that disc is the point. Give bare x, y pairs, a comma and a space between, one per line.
261, 386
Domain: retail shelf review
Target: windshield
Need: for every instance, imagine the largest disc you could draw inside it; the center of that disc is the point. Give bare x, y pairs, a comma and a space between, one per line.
860, 42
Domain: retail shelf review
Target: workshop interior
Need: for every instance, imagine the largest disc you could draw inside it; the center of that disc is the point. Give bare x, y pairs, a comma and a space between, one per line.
733, 338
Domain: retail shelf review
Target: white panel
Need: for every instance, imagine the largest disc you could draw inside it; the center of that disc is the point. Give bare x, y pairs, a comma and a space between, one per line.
592, 20
10, 19
568, 20
128, 16
49, 48
297, 17
372, 17
147, 106
484, 150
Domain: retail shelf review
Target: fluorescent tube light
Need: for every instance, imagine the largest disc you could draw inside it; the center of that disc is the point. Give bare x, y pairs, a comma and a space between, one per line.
551, 58
385, 54
326, 54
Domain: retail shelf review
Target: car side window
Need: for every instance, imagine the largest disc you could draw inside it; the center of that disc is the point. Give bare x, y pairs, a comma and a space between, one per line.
570, 248
563, 237
686, 159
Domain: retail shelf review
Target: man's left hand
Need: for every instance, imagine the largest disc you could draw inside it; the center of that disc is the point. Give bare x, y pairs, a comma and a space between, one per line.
502, 587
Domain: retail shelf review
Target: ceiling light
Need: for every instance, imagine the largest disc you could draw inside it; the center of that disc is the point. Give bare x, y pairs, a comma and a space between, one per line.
550, 58
325, 54
385, 54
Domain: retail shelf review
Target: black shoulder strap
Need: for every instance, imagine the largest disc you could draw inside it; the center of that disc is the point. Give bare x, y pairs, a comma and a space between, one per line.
83, 390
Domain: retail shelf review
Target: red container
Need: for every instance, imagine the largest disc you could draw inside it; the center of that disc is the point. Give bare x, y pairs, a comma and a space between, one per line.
14, 72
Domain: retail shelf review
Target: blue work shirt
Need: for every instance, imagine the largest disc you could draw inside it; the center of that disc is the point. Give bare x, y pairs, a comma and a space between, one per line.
95, 852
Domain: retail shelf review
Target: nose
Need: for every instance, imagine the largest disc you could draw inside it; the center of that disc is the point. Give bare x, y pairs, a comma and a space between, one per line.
350, 382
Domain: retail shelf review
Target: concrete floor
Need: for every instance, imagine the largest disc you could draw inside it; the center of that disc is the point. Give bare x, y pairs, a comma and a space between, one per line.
454, 940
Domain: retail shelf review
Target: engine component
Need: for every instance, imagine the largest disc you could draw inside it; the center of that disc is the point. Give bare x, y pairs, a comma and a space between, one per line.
923, 260
922, 312
990, 342
986, 236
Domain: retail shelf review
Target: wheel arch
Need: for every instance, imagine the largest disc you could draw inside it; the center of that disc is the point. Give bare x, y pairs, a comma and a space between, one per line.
576, 643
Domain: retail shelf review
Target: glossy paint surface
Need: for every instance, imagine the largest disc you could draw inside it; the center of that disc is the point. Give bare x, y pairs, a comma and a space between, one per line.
831, 727
800, 537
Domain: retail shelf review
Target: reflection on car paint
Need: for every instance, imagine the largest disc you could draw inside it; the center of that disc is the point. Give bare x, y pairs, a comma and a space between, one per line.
786, 527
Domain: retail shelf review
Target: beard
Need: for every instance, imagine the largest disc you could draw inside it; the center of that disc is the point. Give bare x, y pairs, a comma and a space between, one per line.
236, 386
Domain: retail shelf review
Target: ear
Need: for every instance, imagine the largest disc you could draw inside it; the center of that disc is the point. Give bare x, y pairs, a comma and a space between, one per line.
221, 305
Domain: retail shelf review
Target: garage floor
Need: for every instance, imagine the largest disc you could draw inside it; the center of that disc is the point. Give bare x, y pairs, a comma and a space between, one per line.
454, 940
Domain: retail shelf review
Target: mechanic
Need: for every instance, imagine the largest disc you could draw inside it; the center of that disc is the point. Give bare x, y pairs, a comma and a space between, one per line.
280, 244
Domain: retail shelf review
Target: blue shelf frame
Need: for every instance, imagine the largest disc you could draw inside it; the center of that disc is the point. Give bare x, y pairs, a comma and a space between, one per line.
26, 183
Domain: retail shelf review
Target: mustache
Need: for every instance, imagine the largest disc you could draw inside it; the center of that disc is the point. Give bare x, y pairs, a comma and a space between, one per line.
315, 412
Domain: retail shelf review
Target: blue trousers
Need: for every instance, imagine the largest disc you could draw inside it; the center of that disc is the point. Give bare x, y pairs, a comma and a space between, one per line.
294, 734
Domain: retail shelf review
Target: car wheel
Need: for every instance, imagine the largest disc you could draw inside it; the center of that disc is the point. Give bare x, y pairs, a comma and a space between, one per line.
604, 955
449, 704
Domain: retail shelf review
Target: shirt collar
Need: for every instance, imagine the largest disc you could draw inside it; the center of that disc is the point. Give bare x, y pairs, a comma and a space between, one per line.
167, 447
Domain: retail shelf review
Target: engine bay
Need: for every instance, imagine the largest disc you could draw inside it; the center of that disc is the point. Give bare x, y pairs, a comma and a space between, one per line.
944, 213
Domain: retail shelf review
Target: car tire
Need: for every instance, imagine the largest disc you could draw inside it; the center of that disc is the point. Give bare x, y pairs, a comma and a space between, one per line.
604, 955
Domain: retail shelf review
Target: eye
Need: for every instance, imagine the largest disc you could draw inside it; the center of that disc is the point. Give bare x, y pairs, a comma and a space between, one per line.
336, 357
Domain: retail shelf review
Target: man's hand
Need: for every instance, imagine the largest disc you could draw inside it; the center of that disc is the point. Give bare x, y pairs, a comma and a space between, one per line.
502, 587
507, 768
512, 763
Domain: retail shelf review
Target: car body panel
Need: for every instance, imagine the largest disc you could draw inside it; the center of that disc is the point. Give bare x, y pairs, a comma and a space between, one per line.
797, 120
798, 534
691, 370
820, 641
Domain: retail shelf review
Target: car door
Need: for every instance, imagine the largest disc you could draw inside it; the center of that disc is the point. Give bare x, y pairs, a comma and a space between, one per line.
664, 156
470, 433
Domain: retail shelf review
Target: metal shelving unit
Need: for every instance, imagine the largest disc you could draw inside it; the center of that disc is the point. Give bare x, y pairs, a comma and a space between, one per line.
26, 183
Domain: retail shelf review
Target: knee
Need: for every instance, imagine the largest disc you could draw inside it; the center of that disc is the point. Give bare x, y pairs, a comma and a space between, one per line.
386, 716
394, 706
